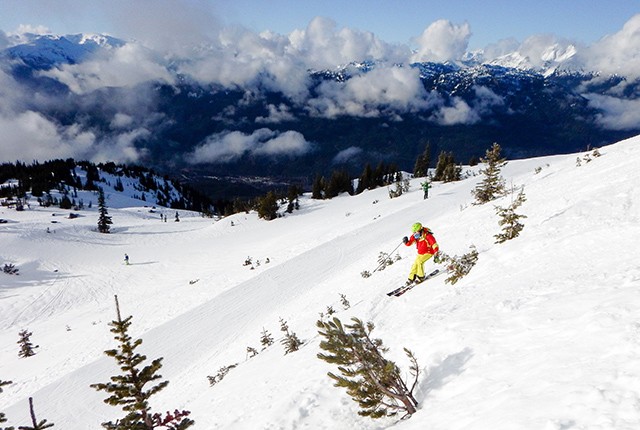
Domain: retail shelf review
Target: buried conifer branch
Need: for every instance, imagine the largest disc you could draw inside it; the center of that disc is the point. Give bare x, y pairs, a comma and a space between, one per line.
370, 379
458, 267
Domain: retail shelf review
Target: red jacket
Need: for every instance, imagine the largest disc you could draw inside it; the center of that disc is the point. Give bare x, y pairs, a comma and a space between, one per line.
426, 244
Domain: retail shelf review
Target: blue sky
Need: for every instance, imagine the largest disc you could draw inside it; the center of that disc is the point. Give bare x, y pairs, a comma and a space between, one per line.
393, 21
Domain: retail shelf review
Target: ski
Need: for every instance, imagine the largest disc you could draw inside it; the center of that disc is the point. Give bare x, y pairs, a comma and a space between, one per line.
403, 289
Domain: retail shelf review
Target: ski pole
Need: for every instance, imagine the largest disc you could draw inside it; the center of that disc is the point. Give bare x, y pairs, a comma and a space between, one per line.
388, 256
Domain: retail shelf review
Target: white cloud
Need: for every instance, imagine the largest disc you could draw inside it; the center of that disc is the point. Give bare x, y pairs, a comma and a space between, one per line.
290, 143
322, 45
276, 114
121, 120
126, 66
617, 113
458, 113
618, 52
372, 94
229, 146
442, 41
346, 155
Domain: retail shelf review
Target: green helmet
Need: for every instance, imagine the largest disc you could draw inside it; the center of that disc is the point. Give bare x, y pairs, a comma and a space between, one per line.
416, 227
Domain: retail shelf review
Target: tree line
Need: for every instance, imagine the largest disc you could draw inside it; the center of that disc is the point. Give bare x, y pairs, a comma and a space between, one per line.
40, 178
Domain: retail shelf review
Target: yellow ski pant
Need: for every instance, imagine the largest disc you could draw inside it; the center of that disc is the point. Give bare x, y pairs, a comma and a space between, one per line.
417, 269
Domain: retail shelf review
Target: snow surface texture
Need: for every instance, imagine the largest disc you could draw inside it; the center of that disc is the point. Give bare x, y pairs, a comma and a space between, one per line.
544, 333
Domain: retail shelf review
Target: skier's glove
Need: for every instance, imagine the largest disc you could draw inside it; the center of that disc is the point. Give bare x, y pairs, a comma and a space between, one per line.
405, 239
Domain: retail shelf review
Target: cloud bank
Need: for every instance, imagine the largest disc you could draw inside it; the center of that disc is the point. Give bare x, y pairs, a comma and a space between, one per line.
180, 40
231, 145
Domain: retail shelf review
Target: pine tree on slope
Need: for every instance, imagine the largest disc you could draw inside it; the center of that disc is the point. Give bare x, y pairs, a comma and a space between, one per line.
370, 379
492, 186
104, 220
510, 220
128, 389
26, 346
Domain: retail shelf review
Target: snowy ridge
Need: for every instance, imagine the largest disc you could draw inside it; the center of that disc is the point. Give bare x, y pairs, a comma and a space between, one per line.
542, 334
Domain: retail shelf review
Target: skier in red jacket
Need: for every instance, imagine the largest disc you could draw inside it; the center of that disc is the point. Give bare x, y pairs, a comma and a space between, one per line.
427, 247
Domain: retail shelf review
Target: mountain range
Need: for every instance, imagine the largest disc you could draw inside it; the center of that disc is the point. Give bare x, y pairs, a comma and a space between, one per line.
212, 119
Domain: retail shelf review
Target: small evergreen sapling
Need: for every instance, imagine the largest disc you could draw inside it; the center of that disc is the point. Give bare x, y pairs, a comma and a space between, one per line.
251, 352
128, 389
370, 379
26, 346
266, 340
290, 340
10, 269
492, 186
510, 220
345, 303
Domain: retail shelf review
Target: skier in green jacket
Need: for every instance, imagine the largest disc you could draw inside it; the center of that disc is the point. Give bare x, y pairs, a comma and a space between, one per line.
425, 188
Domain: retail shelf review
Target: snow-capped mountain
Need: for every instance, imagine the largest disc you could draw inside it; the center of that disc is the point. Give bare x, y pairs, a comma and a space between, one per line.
232, 111
46, 51
543, 333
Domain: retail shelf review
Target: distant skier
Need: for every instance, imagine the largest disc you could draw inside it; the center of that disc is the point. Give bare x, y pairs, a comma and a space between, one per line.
425, 188
126, 259
426, 245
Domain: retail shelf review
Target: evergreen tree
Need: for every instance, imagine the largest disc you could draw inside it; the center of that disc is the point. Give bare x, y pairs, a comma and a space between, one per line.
510, 220
365, 181
266, 339
317, 189
339, 183
36, 425
104, 220
26, 346
370, 379
128, 389
290, 341
492, 186
421, 167
268, 206
65, 202
446, 169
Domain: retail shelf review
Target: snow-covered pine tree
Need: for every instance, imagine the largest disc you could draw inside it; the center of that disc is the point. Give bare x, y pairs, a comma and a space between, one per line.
370, 379
128, 389
290, 341
26, 346
509, 219
104, 220
493, 185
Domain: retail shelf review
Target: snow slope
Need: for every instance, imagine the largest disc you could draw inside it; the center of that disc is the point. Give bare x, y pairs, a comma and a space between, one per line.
544, 333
